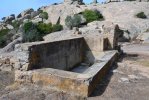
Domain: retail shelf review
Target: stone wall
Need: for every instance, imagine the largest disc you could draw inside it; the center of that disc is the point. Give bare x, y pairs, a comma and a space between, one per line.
62, 55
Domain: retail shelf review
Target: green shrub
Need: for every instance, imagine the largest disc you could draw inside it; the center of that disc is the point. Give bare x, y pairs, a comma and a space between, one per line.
3, 35
141, 15
90, 15
3, 41
4, 32
68, 22
31, 33
31, 36
35, 32
44, 15
44, 28
73, 21
76, 20
57, 27
28, 26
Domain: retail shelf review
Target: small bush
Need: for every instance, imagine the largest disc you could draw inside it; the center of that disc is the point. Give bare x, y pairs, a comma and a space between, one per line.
44, 15
90, 15
28, 26
31, 36
3, 35
57, 27
35, 32
2, 42
73, 21
44, 28
141, 15
4, 32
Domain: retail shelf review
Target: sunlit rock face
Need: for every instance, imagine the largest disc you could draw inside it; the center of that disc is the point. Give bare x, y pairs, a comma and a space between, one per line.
73, 1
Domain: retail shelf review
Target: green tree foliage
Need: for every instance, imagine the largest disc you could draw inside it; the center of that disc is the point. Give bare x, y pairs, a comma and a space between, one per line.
3, 37
35, 32
44, 28
31, 36
91, 15
28, 26
57, 27
44, 15
73, 21
141, 15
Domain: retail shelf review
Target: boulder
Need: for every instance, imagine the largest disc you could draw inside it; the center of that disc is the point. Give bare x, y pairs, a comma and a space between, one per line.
27, 16
26, 12
34, 13
10, 47
8, 19
3, 18
37, 20
9, 26
73, 1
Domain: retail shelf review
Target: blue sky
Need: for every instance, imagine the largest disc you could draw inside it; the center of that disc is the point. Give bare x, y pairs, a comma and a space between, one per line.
8, 7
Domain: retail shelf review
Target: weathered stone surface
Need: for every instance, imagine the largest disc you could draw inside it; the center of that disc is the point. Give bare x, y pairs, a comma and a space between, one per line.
37, 20
73, 1
28, 11
67, 53
10, 47
9, 26
9, 18
70, 82
114, 12
143, 36
34, 14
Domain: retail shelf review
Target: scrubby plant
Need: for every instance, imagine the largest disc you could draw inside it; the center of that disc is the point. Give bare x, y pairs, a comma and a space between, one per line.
57, 27
76, 20
73, 21
31, 33
3, 37
44, 15
31, 36
91, 15
2, 41
4, 32
28, 26
16, 25
44, 28
35, 32
141, 15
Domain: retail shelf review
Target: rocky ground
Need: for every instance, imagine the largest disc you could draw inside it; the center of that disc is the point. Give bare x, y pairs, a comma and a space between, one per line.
128, 80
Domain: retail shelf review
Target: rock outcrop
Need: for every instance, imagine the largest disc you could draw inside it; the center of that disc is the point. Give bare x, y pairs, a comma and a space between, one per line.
8, 19
121, 13
26, 12
73, 1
